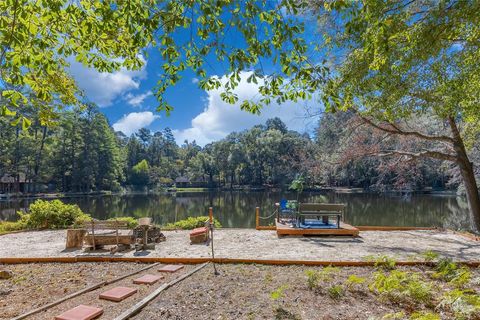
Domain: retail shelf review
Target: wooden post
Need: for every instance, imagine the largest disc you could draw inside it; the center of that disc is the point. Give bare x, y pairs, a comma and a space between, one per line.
257, 217
210, 214
93, 234
75, 238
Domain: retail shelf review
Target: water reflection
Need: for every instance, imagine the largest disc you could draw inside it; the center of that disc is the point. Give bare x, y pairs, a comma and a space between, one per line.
237, 209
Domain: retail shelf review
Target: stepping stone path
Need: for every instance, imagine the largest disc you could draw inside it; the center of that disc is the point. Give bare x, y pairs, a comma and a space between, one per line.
81, 312
147, 279
170, 268
118, 294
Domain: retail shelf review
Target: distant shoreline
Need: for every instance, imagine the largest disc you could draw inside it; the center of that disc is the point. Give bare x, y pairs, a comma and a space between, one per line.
57, 195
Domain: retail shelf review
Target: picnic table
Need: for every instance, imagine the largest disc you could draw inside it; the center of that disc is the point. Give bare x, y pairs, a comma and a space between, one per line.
323, 210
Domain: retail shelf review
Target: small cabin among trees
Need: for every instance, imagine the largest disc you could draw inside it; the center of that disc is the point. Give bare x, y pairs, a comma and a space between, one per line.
182, 182
11, 184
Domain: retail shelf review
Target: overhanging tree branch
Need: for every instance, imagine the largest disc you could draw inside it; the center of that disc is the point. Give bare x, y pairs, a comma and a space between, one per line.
421, 154
394, 129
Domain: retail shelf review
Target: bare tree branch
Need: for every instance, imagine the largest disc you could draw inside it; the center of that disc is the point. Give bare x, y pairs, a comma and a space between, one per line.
393, 129
421, 154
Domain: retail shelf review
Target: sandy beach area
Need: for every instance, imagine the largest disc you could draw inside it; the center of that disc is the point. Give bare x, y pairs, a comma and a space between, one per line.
253, 244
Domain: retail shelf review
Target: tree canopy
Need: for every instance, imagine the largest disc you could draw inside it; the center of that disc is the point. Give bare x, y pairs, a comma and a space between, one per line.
401, 59
39, 39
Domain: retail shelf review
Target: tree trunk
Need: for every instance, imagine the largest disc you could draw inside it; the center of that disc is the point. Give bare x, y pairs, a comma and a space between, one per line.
38, 159
468, 175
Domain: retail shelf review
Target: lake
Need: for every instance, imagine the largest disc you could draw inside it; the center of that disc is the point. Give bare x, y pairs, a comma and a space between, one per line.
236, 209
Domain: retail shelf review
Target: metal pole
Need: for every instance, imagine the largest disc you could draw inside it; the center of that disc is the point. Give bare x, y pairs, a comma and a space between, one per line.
210, 215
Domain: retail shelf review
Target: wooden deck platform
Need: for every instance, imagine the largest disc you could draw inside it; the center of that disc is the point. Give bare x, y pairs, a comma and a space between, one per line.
344, 230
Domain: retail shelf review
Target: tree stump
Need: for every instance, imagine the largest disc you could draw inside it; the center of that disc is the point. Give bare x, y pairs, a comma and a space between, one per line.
75, 238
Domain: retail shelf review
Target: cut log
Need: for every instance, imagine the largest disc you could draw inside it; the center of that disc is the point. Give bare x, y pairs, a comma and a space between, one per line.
75, 238
105, 240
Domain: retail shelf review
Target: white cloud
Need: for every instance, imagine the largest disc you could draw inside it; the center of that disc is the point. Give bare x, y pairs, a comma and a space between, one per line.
137, 100
195, 80
103, 88
219, 118
131, 122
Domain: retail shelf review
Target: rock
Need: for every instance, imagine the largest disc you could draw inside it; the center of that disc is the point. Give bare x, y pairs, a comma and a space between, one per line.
5, 292
6, 274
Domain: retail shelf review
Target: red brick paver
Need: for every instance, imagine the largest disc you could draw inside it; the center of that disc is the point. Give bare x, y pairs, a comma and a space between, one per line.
81, 312
147, 279
118, 294
170, 268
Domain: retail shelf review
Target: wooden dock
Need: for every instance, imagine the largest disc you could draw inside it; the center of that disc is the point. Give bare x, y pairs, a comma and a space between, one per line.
344, 230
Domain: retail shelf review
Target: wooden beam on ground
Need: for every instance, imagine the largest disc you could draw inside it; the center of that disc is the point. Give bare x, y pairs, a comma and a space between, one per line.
344, 230
387, 228
473, 263
263, 228
140, 305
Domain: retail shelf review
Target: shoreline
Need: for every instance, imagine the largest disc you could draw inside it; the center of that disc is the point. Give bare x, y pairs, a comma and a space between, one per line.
339, 190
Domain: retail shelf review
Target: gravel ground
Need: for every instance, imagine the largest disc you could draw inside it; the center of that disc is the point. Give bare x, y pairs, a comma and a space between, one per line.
112, 309
252, 244
34, 285
247, 292
238, 292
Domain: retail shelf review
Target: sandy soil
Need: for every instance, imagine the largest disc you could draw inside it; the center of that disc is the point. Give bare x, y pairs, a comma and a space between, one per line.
34, 285
245, 292
252, 244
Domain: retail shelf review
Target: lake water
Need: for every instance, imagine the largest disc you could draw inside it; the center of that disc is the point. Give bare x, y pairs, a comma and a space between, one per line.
237, 208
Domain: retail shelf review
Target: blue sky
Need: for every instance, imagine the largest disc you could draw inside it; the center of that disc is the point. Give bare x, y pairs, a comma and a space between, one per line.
126, 98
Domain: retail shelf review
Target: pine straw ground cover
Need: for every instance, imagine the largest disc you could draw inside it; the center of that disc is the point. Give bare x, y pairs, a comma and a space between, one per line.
34, 285
301, 292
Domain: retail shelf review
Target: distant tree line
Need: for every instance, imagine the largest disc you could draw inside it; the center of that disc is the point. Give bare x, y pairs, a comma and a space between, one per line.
82, 153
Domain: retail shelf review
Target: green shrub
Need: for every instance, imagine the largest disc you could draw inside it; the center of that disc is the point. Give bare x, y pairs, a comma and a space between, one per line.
314, 277
131, 221
465, 304
449, 271
401, 286
394, 316
278, 293
425, 315
82, 221
383, 262
430, 255
354, 280
192, 223
8, 226
51, 215
335, 292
